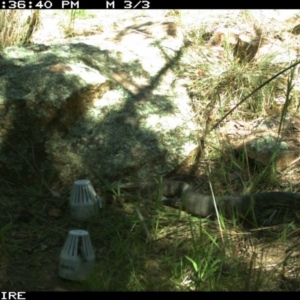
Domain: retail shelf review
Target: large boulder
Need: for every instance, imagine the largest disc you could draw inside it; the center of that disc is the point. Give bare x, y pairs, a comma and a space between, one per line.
106, 109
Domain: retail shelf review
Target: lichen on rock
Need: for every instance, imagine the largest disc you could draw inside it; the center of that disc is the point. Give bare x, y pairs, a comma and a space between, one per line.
92, 111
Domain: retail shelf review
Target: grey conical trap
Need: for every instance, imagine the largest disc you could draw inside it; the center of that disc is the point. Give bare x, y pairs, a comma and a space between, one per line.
77, 258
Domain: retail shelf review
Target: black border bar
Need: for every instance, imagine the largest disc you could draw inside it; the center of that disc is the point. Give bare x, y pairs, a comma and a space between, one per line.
127, 4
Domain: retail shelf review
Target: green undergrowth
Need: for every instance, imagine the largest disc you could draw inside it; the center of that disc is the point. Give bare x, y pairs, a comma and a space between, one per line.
141, 246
